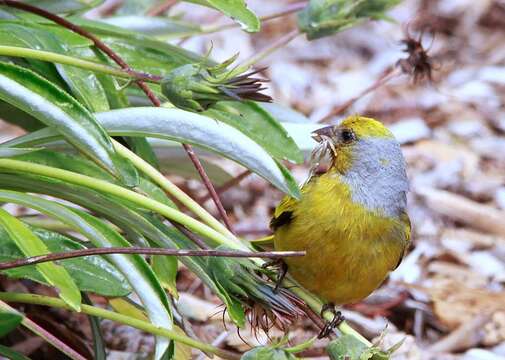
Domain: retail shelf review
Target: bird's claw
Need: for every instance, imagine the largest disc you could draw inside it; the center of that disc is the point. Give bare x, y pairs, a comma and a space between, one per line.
330, 325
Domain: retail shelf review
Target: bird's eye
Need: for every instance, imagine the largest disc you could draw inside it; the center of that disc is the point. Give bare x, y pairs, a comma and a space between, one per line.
347, 136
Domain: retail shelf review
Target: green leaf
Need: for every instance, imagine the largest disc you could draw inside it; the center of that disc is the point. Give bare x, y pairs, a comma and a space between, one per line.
185, 127
12, 354
256, 123
165, 268
235, 9
326, 17
82, 83
267, 353
15, 116
9, 152
99, 347
348, 347
169, 28
65, 6
83, 166
127, 219
9, 321
90, 273
49, 104
134, 267
31, 245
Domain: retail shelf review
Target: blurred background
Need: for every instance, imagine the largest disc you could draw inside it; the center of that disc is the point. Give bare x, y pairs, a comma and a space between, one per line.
447, 108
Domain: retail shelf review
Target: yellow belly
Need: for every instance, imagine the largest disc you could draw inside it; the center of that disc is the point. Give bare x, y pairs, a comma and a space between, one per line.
350, 250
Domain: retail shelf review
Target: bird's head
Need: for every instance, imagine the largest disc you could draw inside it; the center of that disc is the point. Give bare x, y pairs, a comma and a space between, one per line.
367, 157
355, 140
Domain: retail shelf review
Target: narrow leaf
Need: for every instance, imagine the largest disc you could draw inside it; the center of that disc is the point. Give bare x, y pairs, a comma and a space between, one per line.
90, 273
8, 321
58, 110
256, 123
235, 9
133, 267
186, 127
11, 354
31, 245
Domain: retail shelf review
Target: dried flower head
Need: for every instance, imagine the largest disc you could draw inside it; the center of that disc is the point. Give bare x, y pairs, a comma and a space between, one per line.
418, 64
195, 87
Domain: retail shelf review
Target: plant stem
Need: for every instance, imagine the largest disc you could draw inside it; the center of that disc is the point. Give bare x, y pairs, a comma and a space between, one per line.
229, 184
391, 74
289, 9
118, 60
208, 184
171, 188
109, 188
73, 61
44, 334
276, 45
110, 315
160, 8
145, 251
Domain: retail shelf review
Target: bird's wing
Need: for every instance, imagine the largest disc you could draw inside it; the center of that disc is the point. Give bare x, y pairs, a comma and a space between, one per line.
283, 214
407, 231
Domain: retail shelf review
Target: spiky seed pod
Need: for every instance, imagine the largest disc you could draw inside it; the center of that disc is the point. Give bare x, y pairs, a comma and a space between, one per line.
195, 87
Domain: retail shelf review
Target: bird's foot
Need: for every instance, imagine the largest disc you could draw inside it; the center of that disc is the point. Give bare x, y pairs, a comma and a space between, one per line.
282, 269
330, 325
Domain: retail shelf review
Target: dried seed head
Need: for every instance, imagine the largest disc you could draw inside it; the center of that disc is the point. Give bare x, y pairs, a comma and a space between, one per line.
418, 64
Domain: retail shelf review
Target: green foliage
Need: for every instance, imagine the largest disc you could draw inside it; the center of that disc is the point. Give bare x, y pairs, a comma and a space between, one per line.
31, 245
12, 354
348, 347
326, 17
91, 273
267, 353
235, 9
71, 114
9, 320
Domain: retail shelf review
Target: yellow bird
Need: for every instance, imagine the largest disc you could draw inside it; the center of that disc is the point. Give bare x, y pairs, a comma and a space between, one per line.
351, 220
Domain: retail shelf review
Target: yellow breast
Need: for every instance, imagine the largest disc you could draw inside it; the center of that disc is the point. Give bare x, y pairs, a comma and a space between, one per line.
350, 250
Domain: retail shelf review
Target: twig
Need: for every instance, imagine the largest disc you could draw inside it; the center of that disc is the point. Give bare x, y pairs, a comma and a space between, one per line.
467, 335
392, 73
145, 251
123, 319
276, 45
44, 334
459, 208
208, 184
160, 8
228, 185
118, 60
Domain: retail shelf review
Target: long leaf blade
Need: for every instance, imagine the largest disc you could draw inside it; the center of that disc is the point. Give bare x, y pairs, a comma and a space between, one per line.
133, 267
186, 127
31, 245
43, 100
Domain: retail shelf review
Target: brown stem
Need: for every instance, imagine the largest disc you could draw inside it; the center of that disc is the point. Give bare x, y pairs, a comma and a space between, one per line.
146, 251
228, 185
392, 73
46, 335
118, 60
160, 8
208, 184
195, 239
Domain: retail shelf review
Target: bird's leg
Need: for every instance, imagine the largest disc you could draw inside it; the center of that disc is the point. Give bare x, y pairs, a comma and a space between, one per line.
281, 273
330, 325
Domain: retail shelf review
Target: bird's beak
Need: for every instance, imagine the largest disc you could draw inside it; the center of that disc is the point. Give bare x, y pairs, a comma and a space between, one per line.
326, 132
